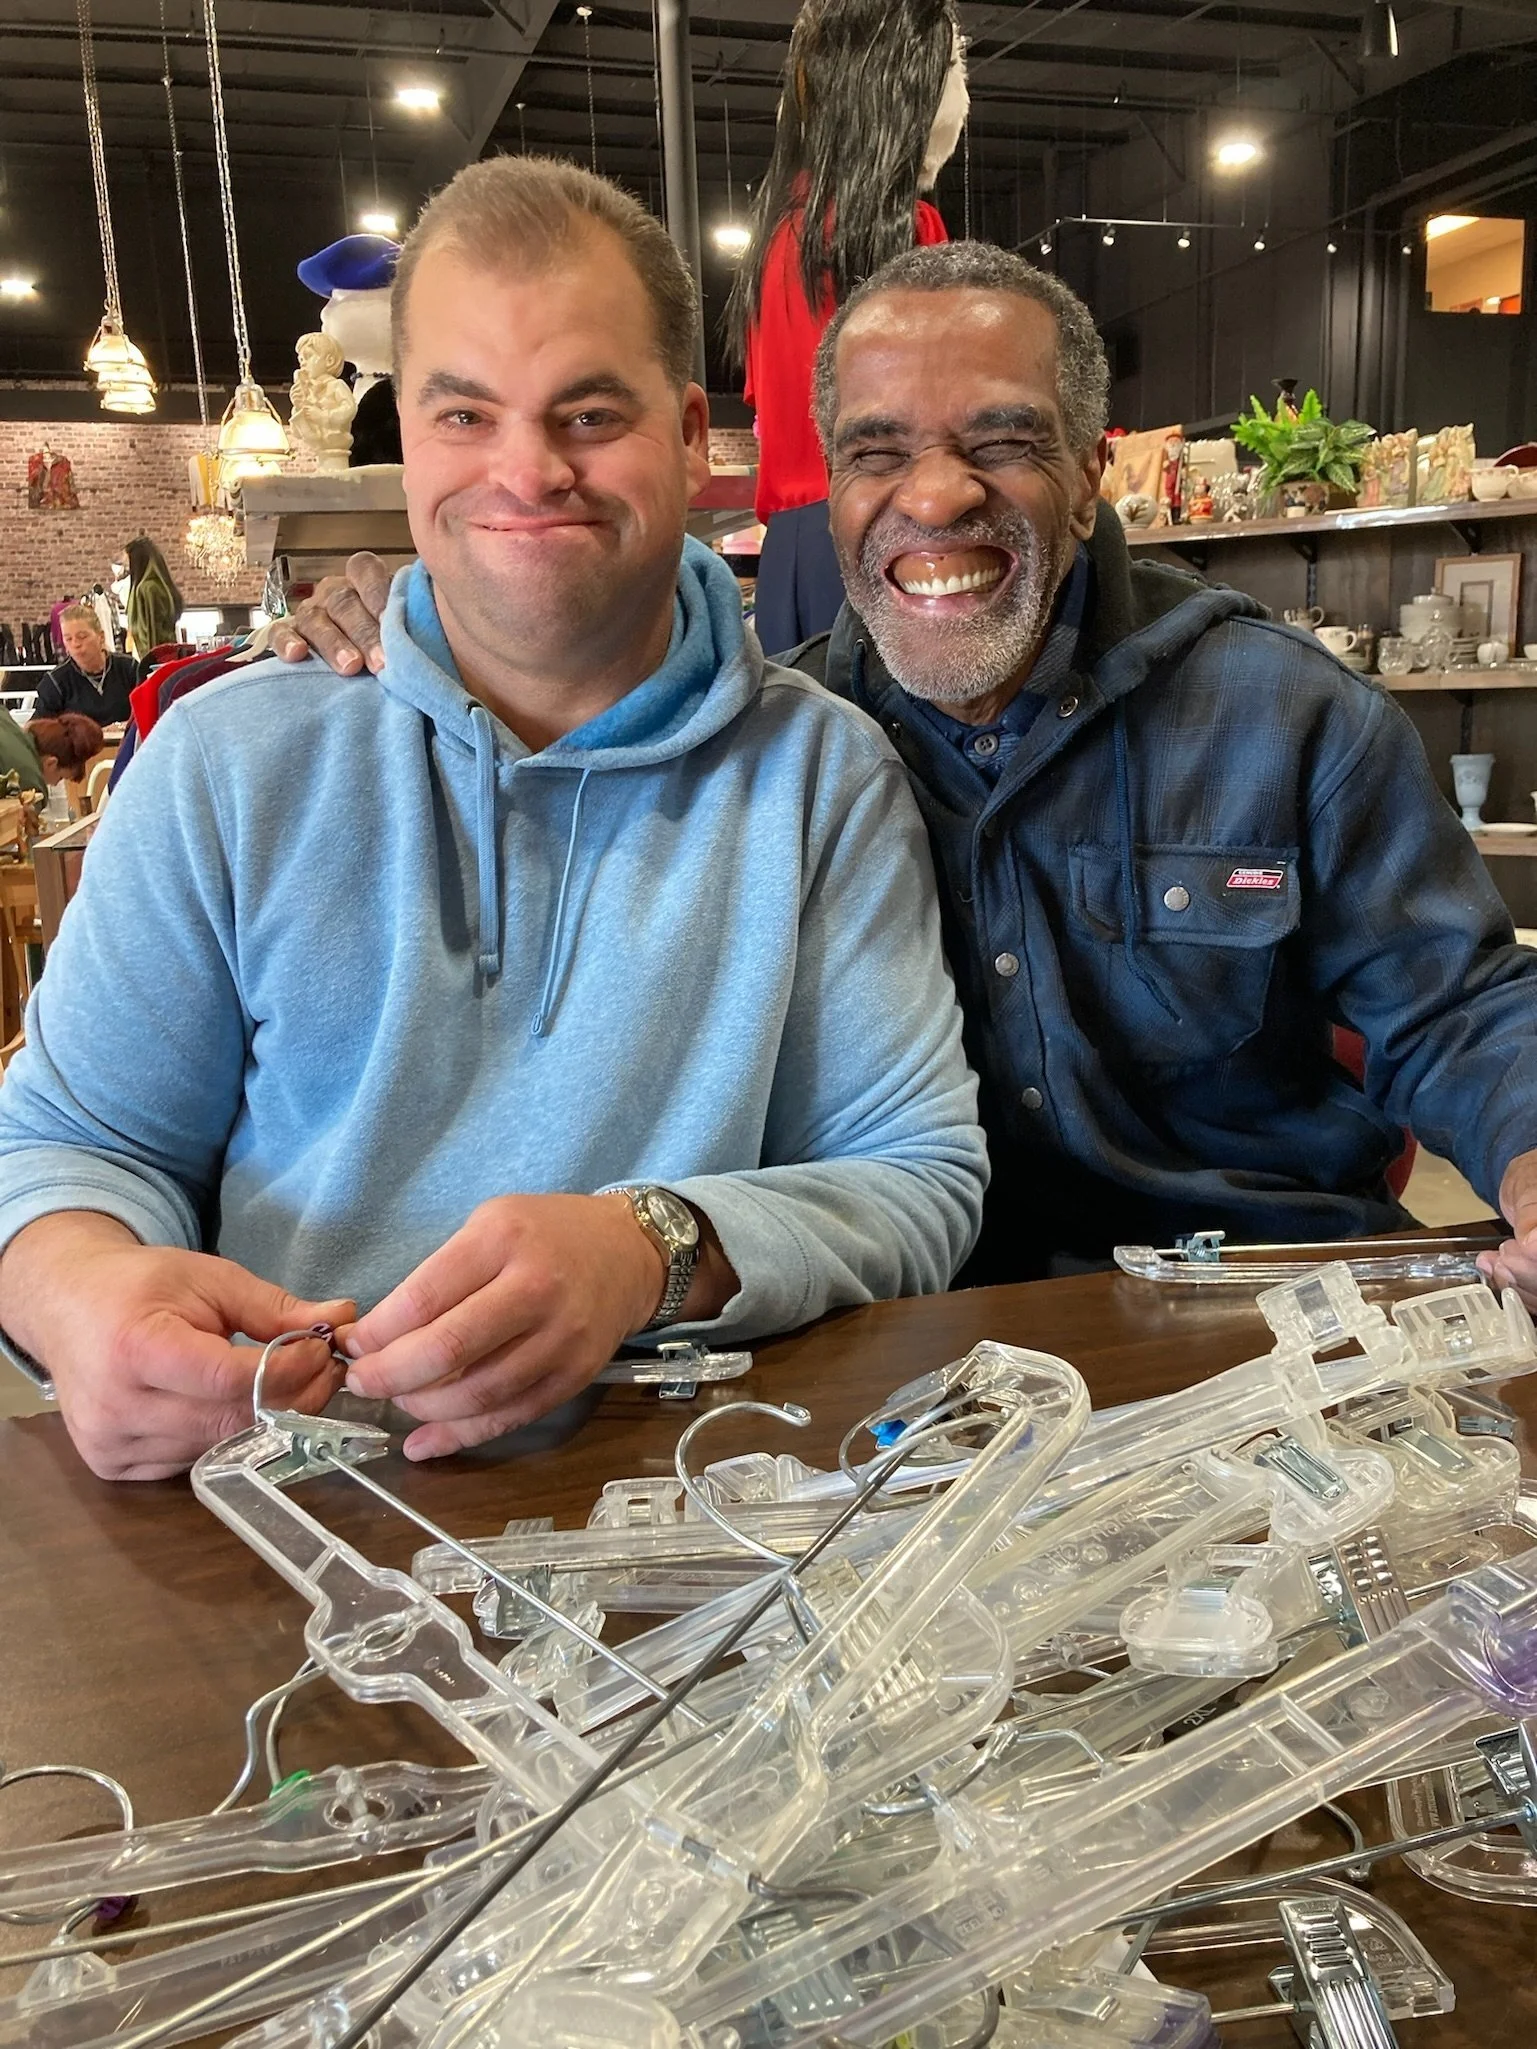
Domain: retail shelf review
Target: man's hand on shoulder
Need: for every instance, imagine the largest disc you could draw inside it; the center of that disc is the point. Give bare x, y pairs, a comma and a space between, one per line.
340, 622
516, 1313
1514, 1265
137, 1341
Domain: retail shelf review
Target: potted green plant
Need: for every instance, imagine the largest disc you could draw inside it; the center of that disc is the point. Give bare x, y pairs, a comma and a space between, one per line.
1311, 460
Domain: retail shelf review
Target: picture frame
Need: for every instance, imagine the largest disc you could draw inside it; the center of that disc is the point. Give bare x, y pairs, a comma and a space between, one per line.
1489, 589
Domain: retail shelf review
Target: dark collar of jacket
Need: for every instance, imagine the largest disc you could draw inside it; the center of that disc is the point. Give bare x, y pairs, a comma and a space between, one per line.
1141, 614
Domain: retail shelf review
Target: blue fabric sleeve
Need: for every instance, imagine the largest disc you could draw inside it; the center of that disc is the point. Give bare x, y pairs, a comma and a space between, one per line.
1413, 947
875, 1166
123, 1097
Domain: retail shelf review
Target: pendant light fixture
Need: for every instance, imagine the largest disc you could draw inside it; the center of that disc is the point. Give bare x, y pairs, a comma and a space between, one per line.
122, 376
213, 541
252, 439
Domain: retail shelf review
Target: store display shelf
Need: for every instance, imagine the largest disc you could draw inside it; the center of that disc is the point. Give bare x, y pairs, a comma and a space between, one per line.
1523, 845
1459, 513
1461, 680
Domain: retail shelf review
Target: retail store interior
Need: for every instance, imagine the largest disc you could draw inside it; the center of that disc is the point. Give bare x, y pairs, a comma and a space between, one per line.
813, 724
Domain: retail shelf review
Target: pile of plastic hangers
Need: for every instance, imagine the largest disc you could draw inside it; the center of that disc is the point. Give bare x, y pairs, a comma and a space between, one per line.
939, 1748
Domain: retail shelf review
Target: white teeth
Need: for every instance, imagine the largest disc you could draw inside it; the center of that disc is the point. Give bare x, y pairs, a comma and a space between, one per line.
949, 586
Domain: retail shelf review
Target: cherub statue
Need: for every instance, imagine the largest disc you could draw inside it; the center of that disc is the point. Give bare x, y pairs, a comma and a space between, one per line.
323, 405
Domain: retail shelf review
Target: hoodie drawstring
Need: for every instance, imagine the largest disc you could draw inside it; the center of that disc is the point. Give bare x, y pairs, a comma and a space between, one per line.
488, 858
1131, 902
557, 936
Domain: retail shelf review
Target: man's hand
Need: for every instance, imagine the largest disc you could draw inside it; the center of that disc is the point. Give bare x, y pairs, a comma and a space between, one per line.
516, 1313
136, 1338
1514, 1265
340, 622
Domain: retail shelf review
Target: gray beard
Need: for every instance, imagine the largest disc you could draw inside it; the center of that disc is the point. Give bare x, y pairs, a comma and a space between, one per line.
955, 661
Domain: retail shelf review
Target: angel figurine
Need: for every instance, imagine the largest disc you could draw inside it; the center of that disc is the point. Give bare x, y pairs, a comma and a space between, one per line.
323, 405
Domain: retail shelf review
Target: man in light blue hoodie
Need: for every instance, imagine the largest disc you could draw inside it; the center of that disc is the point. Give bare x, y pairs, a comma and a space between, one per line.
586, 978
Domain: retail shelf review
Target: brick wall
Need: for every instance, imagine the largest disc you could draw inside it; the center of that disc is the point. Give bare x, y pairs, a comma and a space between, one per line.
131, 477
733, 444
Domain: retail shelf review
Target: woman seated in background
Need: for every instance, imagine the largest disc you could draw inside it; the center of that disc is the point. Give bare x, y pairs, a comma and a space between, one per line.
18, 755
65, 745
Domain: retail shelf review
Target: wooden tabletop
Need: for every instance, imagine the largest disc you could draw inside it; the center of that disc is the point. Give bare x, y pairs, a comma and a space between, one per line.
135, 1629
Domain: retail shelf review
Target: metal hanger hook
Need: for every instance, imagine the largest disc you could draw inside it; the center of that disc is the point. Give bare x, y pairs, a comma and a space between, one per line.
325, 1331
792, 1412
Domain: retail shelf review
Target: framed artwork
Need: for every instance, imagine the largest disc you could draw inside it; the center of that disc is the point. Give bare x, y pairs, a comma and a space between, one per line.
1489, 589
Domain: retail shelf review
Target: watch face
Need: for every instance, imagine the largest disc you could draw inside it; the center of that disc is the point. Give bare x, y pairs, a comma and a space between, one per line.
671, 1216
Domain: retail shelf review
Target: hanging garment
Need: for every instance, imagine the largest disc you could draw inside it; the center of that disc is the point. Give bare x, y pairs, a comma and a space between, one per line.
151, 610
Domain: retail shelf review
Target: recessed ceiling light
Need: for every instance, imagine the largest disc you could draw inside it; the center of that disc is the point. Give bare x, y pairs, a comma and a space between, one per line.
17, 288
1237, 153
421, 99
731, 238
378, 224
1447, 224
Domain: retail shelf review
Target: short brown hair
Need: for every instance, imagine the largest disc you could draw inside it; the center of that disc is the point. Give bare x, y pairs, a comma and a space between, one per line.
535, 207
81, 615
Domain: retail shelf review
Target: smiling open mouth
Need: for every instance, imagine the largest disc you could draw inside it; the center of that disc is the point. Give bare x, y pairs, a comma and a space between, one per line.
952, 572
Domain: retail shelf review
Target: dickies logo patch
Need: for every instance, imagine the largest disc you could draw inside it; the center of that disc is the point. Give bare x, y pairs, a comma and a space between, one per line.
1256, 878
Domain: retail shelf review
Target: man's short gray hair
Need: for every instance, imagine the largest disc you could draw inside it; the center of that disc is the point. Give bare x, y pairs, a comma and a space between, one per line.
1083, 369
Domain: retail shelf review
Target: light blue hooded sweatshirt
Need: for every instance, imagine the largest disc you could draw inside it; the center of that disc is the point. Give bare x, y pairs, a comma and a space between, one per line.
347, 960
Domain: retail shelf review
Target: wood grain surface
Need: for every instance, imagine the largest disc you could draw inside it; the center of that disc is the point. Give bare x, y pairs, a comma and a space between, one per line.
135, 1629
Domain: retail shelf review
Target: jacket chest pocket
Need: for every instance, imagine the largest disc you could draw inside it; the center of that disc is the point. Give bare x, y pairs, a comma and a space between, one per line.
1192, 986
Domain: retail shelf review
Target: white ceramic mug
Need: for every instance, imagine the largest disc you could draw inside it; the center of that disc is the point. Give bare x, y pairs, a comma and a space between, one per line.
1491, 653
1339, 640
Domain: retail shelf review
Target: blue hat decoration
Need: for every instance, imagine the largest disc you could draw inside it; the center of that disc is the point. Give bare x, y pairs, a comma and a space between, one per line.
357, 263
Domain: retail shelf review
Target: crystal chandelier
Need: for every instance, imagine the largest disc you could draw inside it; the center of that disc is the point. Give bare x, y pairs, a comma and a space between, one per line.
252, 439
215, 545
122, 376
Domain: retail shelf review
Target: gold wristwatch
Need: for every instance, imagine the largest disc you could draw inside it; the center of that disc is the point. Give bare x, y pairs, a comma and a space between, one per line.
673, 1229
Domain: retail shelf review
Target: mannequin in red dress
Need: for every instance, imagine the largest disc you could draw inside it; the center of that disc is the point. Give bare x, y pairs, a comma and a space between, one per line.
872, 107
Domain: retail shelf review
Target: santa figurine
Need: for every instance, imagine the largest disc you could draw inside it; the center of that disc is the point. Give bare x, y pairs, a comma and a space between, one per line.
354, 276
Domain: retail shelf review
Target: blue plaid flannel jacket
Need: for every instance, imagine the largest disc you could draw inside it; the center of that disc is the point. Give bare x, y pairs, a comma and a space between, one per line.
1223, 843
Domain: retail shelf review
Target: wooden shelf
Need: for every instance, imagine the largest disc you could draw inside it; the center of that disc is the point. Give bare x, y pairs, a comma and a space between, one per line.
1523, 844
1463, 512
1461, 680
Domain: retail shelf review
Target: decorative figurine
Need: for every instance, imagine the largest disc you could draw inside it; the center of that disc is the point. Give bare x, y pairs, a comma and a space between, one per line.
354, 276
323, 405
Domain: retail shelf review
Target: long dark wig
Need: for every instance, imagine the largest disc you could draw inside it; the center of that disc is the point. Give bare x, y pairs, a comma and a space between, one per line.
862, 84
140, 553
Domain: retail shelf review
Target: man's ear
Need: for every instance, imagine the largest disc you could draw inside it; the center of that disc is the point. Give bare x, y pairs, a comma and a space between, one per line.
695, 410
1086, 491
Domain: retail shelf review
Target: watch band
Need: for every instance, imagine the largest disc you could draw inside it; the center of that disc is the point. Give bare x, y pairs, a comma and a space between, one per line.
680, 1276
679, 1247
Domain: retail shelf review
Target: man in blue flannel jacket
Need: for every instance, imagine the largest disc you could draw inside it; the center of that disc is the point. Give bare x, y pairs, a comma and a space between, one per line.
1176, 842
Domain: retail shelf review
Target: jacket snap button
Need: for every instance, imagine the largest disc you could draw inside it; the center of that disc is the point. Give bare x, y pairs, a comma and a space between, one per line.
1067, 707
1007, 964
1176, 898
1032, 1098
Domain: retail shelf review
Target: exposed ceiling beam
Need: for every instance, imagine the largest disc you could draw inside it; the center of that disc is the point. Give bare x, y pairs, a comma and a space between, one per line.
1249, 14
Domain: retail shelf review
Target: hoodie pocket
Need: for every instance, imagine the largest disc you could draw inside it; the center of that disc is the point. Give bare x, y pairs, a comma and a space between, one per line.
1204, 934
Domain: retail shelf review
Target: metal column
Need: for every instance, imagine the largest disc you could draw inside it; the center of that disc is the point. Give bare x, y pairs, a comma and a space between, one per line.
675, 85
